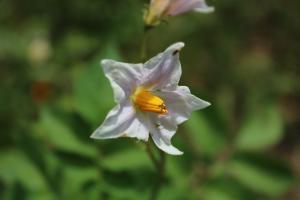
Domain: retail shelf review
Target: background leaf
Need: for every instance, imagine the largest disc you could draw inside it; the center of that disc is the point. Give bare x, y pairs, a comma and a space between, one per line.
262, 129
16, 167
130, 159
60, 136
264, 175
204, 135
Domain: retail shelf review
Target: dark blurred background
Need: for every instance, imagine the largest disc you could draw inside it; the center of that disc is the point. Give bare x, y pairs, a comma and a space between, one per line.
243, 58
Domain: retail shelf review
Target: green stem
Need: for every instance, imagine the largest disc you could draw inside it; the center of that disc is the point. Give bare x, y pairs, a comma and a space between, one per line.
160, 177
151, 155
144, 43
160, 170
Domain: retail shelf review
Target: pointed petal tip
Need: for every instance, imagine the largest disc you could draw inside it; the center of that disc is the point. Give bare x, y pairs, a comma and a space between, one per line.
201, 104
105, 62
169, 149
180, 44
97, 135
208, 9
176, 46
205, 104
179, 153
208, 103
94, 135
175, 152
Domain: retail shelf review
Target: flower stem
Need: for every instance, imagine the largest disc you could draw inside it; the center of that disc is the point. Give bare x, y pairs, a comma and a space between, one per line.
144, 43
160, 168
151, 155
160, 177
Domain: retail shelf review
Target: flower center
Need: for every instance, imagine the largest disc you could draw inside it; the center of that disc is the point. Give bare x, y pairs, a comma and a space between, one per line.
148, 102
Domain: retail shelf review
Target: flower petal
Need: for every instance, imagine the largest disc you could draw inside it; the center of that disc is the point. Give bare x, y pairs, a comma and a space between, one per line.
164, 70
116, 122
162, 131
157, 7
138, 130
123, 77
181, 103
182, 6
203, 7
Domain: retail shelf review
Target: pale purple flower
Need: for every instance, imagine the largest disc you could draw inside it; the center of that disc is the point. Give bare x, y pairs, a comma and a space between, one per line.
181, 6
148, 99
160, 9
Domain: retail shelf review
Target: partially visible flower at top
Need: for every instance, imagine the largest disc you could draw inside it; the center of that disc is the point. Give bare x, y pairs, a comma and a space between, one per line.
148, 100
160, 9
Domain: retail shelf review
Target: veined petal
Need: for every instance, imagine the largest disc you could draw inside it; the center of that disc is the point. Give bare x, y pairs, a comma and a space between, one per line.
181, 103
123, 77
137, 129
116, 122
162, 131
164, 70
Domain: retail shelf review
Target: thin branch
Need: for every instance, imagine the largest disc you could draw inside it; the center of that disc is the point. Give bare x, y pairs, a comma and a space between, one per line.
144, 49
160, 168
151, 155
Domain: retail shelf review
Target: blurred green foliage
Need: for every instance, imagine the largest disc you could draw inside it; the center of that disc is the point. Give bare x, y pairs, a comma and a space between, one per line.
244, 58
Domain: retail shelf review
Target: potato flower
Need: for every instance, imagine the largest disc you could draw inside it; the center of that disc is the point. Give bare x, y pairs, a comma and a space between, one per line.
160, 9
148, 100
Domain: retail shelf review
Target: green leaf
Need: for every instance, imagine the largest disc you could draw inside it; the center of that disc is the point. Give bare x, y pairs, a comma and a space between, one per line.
261, 130
127, 174
40, 196
75, 179
262, 174
178, 174
171, 192
127, 160
179, 179
216, 193
224, 188
204, 135
15, 166
60, 136
93, 96
76, 44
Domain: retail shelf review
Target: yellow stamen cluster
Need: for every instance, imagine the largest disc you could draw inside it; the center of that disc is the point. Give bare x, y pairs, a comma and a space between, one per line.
148, 102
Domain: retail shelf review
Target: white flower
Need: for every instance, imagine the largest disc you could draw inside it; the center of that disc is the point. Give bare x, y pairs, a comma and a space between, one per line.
148, 100
160, 9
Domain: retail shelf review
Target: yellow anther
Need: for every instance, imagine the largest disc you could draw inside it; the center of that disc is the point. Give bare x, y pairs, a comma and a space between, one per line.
148, 102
